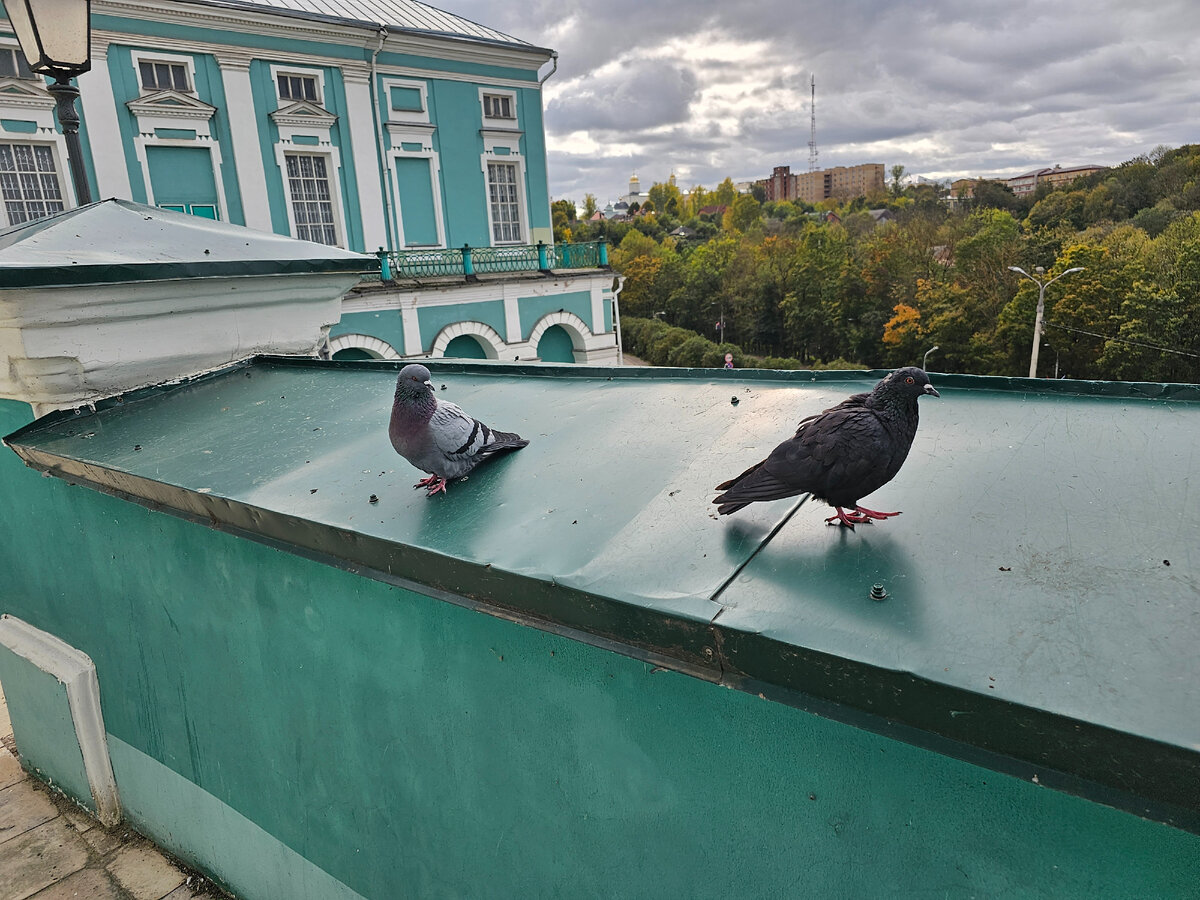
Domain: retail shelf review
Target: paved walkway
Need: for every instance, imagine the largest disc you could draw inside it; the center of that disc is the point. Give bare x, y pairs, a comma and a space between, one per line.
50, 850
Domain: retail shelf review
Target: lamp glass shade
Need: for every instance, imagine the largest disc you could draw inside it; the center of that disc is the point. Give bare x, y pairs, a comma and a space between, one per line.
55, 35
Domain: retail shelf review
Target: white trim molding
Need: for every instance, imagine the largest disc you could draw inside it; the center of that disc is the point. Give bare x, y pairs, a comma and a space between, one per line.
75, 670
572, 324
493, 345
377, 347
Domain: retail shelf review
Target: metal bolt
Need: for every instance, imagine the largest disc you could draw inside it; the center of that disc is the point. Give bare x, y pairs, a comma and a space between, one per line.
877, 592
734, 401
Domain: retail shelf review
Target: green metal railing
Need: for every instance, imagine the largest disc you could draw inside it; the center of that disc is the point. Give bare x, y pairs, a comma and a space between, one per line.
470, 262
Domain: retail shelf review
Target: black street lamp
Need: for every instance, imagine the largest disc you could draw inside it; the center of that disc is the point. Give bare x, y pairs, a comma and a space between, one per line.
56, 38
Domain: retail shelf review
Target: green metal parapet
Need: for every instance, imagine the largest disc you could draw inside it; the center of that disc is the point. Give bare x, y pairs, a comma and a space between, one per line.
470, 262
1041, 584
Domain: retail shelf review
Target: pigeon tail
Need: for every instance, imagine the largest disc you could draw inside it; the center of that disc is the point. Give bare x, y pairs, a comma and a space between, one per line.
502, 442
753, 485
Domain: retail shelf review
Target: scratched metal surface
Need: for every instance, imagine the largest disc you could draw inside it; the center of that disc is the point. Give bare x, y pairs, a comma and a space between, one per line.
1046, 555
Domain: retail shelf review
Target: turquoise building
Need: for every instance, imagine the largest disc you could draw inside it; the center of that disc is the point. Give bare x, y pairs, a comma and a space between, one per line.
360, 124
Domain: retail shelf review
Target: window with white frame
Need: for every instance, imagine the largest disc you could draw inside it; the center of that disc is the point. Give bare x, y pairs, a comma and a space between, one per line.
161, 75
498, 106
294, 87
311, 198
14, 65
29, 184
505, 199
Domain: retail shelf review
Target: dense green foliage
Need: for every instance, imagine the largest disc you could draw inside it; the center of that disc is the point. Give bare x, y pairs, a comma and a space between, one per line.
801, 286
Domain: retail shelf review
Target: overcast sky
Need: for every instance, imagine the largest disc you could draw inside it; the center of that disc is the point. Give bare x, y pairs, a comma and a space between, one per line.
946, 88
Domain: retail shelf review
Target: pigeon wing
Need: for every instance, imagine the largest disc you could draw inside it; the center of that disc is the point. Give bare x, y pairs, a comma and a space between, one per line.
457, 437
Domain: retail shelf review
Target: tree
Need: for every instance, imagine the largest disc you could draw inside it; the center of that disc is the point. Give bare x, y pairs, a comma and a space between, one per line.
897, 180
725, 193
589, 205
743, 214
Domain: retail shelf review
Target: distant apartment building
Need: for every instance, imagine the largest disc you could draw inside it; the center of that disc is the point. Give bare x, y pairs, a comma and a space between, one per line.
840, 182
1023, 185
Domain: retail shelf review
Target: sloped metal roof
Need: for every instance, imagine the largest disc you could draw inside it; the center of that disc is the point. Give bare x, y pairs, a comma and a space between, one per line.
407, 15
1041, 613
119, 240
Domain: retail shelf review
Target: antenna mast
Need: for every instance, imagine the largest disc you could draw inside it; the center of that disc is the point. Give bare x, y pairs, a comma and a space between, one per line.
812, 140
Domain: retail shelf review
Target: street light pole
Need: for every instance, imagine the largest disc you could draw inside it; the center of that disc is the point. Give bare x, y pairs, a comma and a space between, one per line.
1041, 307
65, 94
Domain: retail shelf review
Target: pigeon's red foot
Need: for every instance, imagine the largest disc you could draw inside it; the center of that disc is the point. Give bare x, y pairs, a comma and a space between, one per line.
871, 514
434, 483
847, 520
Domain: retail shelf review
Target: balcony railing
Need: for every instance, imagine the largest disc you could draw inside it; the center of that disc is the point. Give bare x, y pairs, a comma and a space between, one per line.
470, 262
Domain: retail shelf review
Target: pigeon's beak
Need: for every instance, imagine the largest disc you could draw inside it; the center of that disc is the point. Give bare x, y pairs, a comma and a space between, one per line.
928, 389
427, 384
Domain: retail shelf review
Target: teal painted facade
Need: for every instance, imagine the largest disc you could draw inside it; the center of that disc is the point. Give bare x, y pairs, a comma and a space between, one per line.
434, 318
301, 731
534, 309
353, 141
386, 325
556, 346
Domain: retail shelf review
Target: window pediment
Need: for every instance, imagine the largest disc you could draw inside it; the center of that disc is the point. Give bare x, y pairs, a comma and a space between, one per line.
26, 94
171, 105
303, 114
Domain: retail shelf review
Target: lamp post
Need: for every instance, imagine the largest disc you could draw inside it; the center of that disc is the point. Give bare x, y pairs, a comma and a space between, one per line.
1037, 322
925, 358
56, 38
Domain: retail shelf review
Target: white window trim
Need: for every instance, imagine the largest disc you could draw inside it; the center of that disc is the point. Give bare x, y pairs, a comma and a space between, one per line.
140, 56
319, 74
59, 150
522, 204
489, 122
510, 141
402, 115
333, 168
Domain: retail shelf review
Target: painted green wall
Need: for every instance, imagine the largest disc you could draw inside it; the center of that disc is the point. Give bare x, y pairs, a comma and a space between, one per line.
556, 346
434, 318
532, 309
392, 740
455, 105
465, 346
385, 325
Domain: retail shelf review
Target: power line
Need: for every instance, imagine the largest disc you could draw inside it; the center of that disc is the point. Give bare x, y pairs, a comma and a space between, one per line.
1124, 341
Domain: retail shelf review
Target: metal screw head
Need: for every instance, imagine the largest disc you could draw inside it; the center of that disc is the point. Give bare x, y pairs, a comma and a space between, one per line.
878, 593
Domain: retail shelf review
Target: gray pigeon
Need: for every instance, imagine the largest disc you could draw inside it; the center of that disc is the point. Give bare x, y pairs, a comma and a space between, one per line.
438, 437
841, 454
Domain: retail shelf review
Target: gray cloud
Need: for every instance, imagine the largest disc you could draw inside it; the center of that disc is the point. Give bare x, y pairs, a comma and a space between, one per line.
713, 89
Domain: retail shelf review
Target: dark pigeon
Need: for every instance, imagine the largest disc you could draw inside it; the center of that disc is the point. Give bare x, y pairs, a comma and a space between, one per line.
840, 455
437, 437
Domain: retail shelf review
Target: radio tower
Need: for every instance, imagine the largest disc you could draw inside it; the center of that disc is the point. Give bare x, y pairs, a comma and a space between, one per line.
812, 139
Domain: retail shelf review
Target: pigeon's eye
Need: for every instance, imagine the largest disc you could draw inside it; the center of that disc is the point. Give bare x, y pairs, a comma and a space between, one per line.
908, 380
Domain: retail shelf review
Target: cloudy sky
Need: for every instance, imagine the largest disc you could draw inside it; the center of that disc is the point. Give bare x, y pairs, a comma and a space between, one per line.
946, 88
